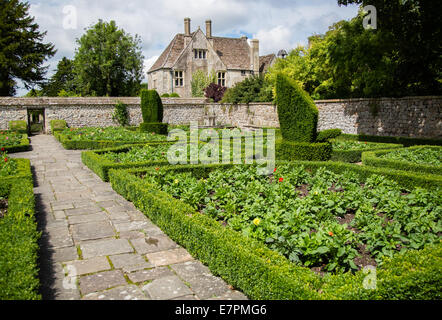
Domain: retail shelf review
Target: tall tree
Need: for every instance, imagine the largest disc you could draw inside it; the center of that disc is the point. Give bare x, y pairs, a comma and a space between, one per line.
22, 51
410, 30
108, 61
63, 79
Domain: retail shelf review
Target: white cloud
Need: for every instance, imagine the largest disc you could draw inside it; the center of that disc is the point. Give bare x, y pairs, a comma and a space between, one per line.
148, 63
277, 24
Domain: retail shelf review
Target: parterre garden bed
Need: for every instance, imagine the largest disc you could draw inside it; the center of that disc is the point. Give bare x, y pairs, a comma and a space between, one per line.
292, 235
18, 233
325, 221
351, 150
13, 142
424, 159
304, 232
97, 138
101, 161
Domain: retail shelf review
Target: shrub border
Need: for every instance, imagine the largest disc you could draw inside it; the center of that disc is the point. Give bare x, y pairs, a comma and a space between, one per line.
373, 159
97, 144
101, 166
55, 125
405, 141
355, 155
22, 147
19, 279
260, 272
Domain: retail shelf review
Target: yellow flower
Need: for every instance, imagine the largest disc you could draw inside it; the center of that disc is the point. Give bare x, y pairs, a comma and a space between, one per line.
176, 181
256, 221
316, 193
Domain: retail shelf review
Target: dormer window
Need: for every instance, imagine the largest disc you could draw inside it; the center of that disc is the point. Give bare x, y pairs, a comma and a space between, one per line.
200, 53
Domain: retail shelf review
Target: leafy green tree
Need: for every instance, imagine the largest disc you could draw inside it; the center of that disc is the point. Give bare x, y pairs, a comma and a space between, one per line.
62, 80
200, 81
251, 89
351, 62
108, 62
22, 51
410, 33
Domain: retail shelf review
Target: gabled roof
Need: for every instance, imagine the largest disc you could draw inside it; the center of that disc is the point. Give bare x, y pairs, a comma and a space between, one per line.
265, 62
234, 53
170, 54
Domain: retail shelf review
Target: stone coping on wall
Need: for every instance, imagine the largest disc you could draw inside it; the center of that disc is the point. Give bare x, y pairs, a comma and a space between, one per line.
75, 101
380, 99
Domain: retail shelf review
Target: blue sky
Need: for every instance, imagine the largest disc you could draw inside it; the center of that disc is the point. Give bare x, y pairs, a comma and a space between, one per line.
280, 24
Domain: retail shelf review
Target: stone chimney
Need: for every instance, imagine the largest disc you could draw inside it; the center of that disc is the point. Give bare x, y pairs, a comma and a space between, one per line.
187, 27
209, 29
254, 55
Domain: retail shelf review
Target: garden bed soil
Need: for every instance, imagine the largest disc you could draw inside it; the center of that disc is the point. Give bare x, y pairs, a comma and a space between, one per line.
3, 207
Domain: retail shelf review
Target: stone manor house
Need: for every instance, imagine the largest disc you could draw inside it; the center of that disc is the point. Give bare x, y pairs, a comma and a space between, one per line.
232, 59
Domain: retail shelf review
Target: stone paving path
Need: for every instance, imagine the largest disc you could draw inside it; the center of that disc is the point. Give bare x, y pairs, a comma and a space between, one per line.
96, 245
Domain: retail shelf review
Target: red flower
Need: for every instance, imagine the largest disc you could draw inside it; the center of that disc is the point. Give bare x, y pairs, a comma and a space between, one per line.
274, 170
330, 234
6, 159
157, 169
3, 149
281, 179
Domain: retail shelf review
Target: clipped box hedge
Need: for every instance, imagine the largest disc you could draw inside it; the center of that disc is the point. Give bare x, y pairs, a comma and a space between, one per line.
57, 125
373, 159
262, 273
405, 141
23, 173
19, 273
288, 150
19, 126
22, 147
101, 166
155, 127
356, 155
96, 144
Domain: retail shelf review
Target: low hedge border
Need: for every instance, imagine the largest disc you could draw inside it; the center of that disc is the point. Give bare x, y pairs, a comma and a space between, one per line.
101, 166
356, 155
405, 141
373, 159
22, 147
19, 272
19, 126
288, 150
23, 173
96, 144
58, 125
155, 127
262, 273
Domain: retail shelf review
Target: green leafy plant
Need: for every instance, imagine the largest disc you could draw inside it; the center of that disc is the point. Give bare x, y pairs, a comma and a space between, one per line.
326, 221
19, 126
121, 114
200, 81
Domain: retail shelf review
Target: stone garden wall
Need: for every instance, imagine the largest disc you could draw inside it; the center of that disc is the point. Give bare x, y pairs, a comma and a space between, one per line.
411, 116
